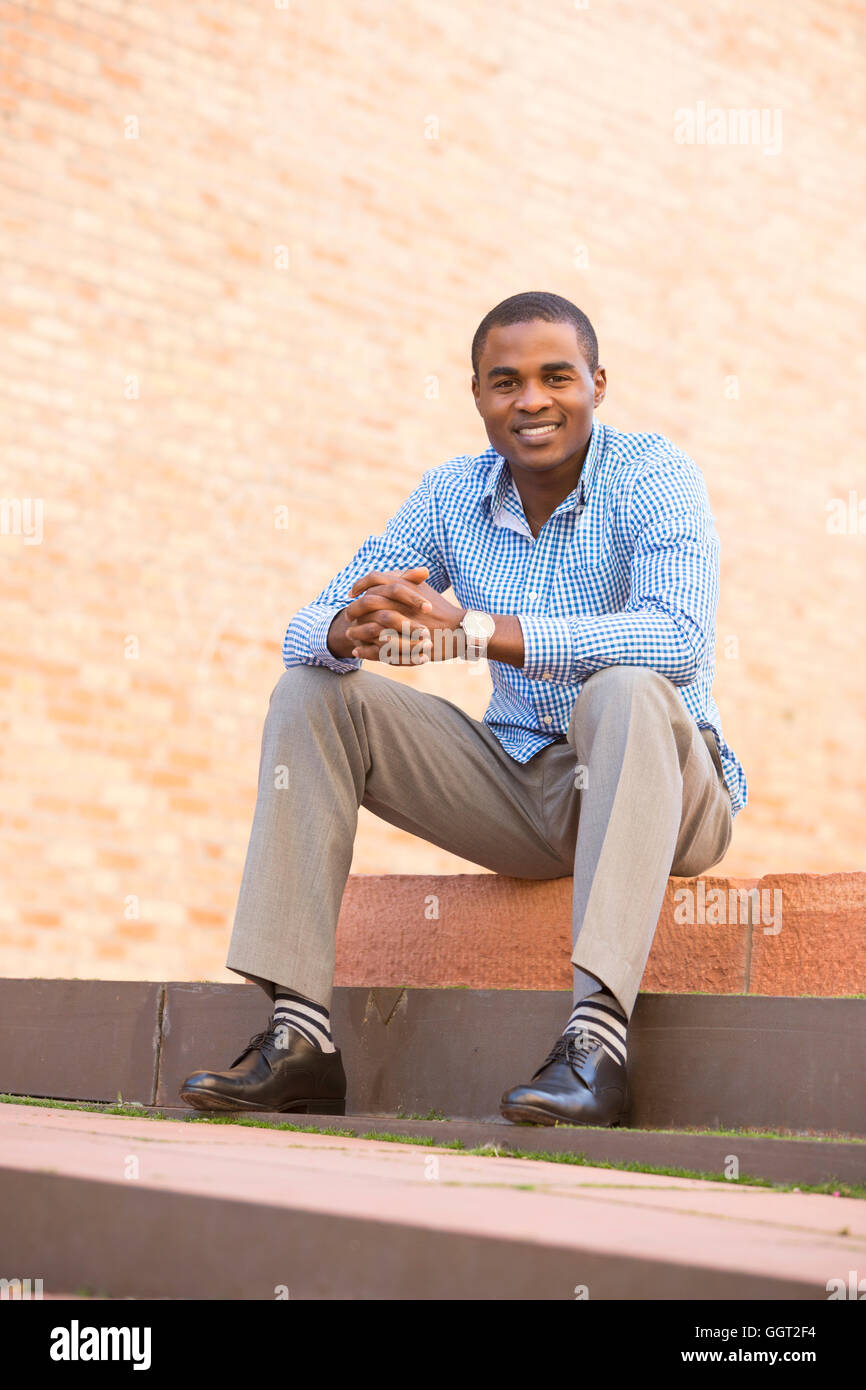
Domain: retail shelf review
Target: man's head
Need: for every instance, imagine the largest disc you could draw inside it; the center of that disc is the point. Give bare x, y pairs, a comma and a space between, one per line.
535, 364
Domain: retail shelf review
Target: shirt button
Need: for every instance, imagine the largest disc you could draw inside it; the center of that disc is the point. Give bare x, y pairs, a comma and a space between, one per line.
548, 719
547, 676
532, 594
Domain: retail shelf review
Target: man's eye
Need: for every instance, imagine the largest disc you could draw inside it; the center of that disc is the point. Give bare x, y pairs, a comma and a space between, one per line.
554, 376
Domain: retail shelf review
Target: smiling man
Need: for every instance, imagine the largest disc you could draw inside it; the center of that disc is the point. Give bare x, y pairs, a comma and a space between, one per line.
585, 565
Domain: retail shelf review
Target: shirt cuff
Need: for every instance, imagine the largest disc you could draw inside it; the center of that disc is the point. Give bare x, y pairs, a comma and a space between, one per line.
549, 648
320, 651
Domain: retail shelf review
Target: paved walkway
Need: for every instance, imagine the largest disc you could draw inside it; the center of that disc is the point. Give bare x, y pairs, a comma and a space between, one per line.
718, 1231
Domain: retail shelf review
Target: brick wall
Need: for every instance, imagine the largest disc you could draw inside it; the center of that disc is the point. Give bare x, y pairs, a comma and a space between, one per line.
237, 242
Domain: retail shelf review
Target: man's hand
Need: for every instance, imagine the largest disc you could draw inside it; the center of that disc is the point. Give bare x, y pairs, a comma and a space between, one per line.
399, 619
410, 600
387, 620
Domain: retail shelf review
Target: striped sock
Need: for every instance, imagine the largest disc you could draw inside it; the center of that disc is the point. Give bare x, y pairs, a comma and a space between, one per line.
601, 1016
312, 1020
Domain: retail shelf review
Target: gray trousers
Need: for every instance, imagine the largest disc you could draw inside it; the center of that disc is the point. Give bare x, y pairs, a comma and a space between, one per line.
633, 793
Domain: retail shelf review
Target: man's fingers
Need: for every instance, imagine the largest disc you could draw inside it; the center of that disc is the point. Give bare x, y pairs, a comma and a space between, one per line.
404, 593
376, 632
376, 577
366, 605
395, 647
363, 632
384, 617
371, 609
407, 654
397, 592
415, 576
362, 607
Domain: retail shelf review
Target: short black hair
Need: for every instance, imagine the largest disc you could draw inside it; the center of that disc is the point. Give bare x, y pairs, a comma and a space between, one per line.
522, 308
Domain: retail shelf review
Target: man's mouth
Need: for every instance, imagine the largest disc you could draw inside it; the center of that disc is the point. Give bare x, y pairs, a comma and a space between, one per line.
531, 434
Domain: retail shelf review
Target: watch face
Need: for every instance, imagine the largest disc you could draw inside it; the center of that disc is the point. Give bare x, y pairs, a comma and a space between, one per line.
478, 626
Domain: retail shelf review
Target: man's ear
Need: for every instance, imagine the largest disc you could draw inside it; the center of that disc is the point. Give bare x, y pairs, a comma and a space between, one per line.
600, 384
476, 390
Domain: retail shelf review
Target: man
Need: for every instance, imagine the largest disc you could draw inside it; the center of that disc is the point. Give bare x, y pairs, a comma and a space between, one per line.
585, 564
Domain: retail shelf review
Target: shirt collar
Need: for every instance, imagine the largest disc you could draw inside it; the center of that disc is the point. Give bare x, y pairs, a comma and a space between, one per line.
592, 460
499, 479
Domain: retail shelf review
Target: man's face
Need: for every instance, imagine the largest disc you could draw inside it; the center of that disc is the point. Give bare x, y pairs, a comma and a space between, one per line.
532, 375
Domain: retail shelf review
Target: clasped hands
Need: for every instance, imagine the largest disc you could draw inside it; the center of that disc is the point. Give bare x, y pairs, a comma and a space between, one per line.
398, 619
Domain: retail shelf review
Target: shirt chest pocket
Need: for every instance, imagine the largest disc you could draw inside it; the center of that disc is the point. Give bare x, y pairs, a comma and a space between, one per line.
591, 580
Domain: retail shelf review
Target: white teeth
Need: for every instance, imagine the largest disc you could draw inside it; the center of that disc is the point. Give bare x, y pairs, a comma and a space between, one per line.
538, 429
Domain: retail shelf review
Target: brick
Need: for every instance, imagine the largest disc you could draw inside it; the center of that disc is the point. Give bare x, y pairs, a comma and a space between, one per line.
137, 243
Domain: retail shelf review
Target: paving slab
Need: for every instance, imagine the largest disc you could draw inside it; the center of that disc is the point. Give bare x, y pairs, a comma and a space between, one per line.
143, 1208
797, 1160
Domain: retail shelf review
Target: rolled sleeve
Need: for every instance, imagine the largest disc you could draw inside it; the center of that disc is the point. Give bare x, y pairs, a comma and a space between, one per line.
306, 640
549, 648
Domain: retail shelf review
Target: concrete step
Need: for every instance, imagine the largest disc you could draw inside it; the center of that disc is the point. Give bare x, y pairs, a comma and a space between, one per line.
135, 1207
695, 1061
748, 1157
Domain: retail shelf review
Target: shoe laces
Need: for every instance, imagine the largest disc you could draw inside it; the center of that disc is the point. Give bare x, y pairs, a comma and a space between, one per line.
568, 1049
258, 1040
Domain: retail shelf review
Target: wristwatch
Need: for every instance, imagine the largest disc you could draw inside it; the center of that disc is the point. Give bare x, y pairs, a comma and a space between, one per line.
479, 628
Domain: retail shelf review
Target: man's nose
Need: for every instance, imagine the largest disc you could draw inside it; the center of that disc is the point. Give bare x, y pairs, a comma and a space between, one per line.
533, 396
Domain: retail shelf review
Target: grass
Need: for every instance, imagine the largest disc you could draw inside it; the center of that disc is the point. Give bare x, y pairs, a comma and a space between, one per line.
135, 1109
769, 1134
131, 1108
488, 1150
431, 1115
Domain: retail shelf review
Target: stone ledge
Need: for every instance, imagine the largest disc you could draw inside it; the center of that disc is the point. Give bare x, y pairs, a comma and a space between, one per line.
708, 1061
486, 931
821, 948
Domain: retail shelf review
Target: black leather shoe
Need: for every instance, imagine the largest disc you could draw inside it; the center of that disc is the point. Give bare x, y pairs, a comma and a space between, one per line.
278, 1070
576, 1084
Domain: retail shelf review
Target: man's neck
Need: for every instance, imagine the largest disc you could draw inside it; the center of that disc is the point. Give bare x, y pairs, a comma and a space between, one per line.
541, 494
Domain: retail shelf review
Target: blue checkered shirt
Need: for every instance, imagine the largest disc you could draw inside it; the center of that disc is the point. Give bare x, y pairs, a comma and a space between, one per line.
624, 572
